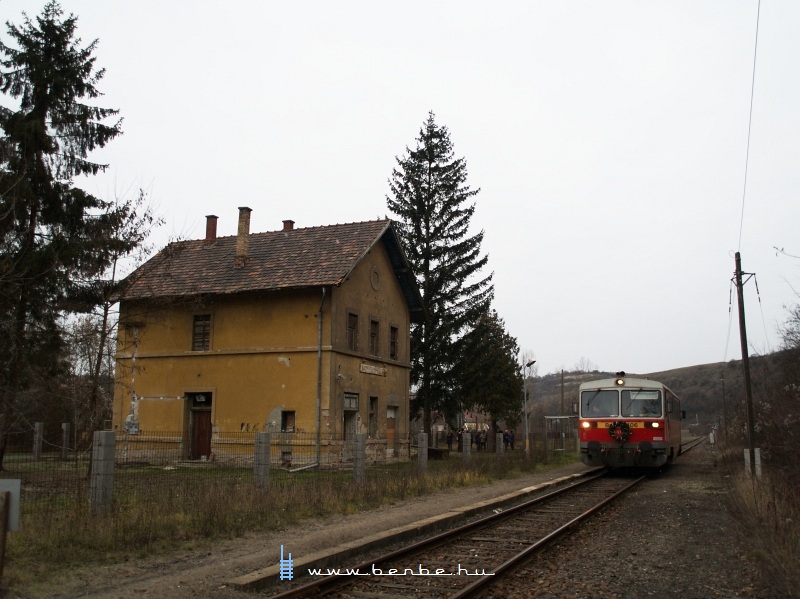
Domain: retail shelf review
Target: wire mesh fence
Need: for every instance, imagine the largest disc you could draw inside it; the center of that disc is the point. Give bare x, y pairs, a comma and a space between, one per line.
158, 495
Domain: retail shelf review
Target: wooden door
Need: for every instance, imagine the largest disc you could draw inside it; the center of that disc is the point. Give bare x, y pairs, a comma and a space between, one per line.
201, 434
350, 426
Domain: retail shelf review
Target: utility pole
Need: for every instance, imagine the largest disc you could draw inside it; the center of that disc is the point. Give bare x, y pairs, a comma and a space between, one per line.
562, 392
746, 363
525, 408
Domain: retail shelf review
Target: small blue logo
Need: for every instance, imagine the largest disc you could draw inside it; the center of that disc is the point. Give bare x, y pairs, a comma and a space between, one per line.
287, 567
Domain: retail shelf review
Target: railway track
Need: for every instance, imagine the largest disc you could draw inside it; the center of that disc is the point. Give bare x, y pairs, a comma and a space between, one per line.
461, 562
691, 444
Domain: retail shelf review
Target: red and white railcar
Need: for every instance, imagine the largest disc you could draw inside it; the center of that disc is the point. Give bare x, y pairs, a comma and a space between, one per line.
629, 422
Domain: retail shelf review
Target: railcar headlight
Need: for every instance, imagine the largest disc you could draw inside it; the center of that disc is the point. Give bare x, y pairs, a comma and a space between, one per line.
655, 425
620, 382
586, 424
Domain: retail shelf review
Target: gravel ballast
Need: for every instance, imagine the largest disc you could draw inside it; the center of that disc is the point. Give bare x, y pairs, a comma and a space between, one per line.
673, 536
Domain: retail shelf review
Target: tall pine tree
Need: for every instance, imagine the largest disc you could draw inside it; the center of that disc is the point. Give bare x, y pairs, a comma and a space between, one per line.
434, 205
54, 237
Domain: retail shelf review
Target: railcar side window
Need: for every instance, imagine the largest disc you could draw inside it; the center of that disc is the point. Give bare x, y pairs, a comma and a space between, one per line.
671, 402
644, 403
600, 403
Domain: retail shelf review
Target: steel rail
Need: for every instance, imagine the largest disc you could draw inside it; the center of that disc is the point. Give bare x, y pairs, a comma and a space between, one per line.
692, 444
480, 583
334, 580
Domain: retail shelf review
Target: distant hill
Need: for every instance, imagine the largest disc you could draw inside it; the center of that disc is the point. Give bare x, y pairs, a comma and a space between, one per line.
701, 388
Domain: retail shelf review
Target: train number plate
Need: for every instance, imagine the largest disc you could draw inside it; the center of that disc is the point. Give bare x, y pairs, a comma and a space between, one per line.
629, 423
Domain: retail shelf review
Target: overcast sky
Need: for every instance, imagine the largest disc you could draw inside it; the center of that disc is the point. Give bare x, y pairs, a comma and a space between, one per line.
608, 140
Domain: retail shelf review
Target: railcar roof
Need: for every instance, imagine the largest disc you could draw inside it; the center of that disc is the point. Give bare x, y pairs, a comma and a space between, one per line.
629, 382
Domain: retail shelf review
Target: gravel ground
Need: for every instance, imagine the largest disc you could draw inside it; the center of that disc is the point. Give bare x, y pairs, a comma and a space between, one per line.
678, 540
673, 537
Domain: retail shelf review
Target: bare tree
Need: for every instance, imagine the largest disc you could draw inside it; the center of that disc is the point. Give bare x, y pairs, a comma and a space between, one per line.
134, 225
585, 365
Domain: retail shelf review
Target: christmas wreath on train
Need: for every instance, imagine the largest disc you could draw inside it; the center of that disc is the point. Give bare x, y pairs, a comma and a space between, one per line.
619, 431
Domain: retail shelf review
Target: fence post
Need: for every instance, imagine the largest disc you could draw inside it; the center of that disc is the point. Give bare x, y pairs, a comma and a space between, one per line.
466, 446
262, 457
546, 442
498, 443
64, 440
102, 481
422, 452
38, 436
360, 458
5, 501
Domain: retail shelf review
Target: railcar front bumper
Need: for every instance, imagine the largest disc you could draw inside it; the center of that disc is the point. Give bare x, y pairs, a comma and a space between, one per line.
644, 454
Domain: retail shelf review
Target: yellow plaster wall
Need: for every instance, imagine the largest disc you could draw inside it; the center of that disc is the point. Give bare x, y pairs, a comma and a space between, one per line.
153, 411
263, 356
238, 323
387, 305
258, 361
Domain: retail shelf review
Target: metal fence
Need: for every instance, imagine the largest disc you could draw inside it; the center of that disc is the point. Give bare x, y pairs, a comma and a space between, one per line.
56, 466
287, 450
142, 489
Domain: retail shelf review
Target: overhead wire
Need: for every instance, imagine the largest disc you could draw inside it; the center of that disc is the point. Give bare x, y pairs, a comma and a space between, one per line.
746, 168
749, 126
730, 321
763, 319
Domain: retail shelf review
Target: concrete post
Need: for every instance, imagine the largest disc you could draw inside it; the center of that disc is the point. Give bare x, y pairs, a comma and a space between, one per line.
422, 452
64, 440
360, 458
747, 468
758, 461
467, 446
38, 437
498, 443
261, 461
546, 446
102, 481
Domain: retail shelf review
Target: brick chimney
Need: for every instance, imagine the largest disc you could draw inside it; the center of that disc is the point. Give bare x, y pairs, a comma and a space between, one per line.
211, 229
242, 236
288, 225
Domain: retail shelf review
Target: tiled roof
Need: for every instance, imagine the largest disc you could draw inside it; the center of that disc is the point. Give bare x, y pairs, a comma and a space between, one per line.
310, 257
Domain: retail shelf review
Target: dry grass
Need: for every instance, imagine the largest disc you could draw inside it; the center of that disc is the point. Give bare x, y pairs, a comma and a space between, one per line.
769, 508
157, 511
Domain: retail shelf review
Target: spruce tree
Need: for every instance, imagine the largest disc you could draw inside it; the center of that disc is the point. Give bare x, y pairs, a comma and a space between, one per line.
434, 205
54, 237
488, 371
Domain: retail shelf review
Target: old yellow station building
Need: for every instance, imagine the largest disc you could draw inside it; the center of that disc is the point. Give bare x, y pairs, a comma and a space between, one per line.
300, 330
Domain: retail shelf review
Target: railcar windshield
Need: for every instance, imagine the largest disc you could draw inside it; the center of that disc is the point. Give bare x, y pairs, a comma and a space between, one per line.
645, 403
600, 403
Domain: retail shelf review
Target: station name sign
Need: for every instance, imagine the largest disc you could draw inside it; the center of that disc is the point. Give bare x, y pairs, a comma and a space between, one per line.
376, 370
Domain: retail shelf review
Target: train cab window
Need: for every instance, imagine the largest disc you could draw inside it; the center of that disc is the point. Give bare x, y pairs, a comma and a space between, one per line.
643, 403
600, 403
